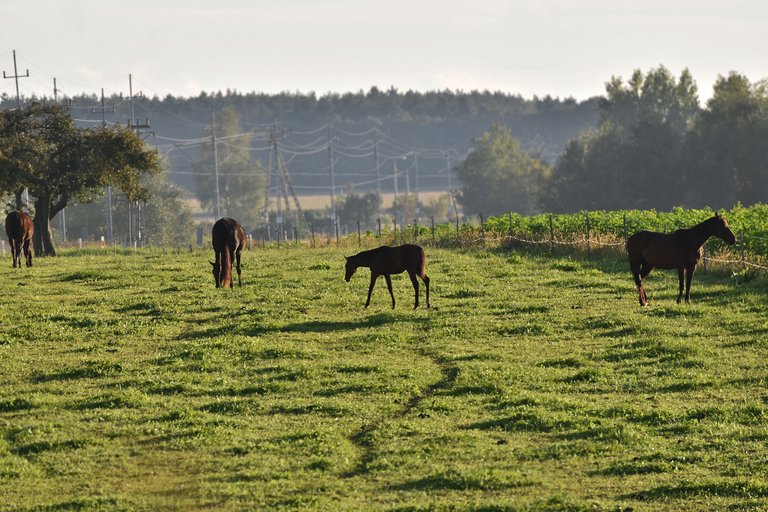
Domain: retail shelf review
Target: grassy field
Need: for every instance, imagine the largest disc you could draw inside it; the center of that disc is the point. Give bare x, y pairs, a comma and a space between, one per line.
128, 382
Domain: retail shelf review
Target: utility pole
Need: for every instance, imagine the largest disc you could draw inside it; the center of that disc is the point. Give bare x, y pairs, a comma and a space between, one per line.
16, 77
378, 178
394, 175
103, 111
63, 210
450, 191
134, 124
333, 175
416, 175
215, 162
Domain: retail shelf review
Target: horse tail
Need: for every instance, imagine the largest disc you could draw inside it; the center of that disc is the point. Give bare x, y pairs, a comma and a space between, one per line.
423, 269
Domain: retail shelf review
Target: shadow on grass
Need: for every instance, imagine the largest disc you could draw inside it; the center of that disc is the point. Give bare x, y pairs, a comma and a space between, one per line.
454, 481
48, 446
737, 489
374, 320
91, 370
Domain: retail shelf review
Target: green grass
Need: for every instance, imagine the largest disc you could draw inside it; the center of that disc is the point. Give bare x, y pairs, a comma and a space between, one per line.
534, 383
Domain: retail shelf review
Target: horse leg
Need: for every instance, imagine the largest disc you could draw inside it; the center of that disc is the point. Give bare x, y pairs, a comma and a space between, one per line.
634, 267
412, 275
680, 277
27, 253
688, 276
389, 286
239, 281
645, 269
13, 251
370, 288
426, 283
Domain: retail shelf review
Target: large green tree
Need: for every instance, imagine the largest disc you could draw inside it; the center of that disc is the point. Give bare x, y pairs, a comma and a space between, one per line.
241, 179
499, 175
633, 158
726, 152
58, 162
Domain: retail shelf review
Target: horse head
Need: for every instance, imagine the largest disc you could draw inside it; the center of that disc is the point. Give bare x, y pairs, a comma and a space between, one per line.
349, 268
216, 273
721, 229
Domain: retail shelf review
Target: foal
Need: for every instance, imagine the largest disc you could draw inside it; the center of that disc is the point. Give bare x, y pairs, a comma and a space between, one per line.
388, 260
680, 249
228, 240
19, 229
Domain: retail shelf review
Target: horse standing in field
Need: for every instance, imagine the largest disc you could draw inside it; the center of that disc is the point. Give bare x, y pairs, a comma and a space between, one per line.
19, 229
680, 249
228, 240
391, 260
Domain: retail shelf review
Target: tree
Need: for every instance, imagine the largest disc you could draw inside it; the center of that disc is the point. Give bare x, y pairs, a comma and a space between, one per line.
241, 180
633, 158
498, 175
358, 208
60, 163
726, 152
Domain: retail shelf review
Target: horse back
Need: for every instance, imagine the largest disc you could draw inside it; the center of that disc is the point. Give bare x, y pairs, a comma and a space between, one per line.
662, 250
19, 226
227, 234
395, 260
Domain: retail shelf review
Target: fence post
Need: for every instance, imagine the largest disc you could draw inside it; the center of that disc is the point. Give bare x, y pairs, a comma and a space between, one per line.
359, 239
741, 248
457, 227
588, 241
395, 224
433, 228
296, 235
379, 223
415, 230
551, 235
482, 229
509, 213
312, 231
625, 228
336, 229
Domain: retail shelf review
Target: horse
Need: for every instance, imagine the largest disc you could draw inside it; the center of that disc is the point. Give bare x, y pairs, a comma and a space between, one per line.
680, 249
388, 260
19, 228
228, 240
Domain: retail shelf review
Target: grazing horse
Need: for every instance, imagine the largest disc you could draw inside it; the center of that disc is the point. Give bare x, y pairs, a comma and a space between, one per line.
19, 228
228, 240
391, 260
680, 249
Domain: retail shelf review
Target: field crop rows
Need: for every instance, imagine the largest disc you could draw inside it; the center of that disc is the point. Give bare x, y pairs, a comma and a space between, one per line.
128, 382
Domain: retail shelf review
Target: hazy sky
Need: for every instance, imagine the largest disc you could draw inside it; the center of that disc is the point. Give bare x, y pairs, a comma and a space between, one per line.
558, 47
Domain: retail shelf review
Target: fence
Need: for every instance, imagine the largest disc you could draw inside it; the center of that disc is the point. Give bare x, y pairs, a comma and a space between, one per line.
581, 237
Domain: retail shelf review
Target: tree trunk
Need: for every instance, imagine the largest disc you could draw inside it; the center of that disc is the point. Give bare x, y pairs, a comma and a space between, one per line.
43, 239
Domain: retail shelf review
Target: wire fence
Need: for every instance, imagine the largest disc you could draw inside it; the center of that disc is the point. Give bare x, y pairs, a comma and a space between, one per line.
465, 234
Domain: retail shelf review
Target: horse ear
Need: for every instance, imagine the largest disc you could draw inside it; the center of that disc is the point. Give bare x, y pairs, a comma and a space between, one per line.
346, 257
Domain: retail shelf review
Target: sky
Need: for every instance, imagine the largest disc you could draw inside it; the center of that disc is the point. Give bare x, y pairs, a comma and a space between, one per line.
562, 48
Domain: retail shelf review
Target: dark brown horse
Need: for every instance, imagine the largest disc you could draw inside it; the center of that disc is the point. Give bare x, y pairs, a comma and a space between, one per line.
680, 249
391, 260
19, 228
228, 240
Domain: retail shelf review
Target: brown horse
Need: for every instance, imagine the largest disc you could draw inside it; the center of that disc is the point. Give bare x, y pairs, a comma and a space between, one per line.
391, 260
680, 249
19, 228
228, 240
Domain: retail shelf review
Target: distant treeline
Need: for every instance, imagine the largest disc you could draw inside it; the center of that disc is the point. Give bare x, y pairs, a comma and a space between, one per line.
421, 120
